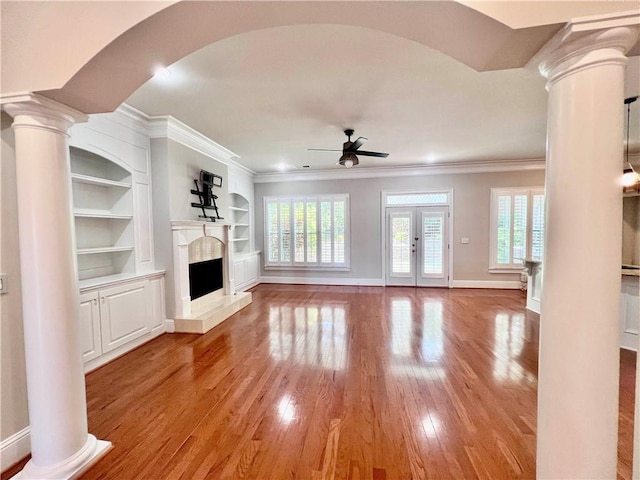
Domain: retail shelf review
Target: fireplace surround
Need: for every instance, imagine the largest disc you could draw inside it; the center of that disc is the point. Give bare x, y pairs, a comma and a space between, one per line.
206, 312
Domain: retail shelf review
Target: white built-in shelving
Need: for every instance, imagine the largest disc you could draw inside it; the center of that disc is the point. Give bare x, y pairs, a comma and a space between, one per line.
246, 262
103, 213
240, 209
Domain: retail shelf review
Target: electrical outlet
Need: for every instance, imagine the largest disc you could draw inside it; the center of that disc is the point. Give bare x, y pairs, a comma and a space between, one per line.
4, 285
464, 240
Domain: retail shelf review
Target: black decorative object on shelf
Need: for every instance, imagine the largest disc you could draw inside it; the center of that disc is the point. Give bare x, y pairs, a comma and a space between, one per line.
206, 195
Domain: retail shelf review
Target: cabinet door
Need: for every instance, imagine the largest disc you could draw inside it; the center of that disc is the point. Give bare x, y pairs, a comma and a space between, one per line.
253, 269
125, 314
156, 286
240, 273
90, 326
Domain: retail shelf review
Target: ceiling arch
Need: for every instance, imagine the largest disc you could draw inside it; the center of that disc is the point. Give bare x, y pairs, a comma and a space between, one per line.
459, 31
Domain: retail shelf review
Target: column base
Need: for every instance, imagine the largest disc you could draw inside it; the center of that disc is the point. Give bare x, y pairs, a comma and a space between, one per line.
70, 468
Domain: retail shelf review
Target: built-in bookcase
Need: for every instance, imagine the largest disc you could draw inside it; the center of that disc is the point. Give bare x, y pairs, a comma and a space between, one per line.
240, 214
103, 212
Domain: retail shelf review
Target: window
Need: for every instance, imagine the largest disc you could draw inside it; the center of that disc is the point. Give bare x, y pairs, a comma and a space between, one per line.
517, 226
307, 232
431, 198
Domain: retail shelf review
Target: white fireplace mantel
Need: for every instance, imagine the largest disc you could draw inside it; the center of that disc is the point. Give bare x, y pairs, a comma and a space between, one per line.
183, 233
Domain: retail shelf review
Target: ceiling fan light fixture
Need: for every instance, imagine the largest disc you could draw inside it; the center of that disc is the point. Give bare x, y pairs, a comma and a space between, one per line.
348, 160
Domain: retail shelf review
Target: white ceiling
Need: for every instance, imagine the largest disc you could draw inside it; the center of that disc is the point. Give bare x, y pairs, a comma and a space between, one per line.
271, 94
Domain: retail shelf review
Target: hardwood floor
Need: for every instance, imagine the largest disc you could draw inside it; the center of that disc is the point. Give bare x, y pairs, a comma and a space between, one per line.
315, 382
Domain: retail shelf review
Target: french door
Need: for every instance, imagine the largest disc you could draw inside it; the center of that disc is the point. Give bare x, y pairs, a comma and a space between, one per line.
417, 244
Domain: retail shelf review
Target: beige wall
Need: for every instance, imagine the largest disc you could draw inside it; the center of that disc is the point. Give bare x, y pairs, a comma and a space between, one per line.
471, 218
13, 394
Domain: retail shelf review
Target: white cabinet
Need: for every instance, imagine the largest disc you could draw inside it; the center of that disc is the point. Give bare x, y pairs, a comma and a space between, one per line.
118, 317
246, 270
90, 326
124, 314
158, 315
630, 312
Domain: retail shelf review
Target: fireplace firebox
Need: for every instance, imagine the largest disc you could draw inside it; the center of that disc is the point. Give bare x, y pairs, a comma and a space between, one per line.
205, 277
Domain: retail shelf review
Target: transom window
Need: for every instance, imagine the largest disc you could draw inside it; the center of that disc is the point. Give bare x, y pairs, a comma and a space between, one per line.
517, 226
307, 232
429, 198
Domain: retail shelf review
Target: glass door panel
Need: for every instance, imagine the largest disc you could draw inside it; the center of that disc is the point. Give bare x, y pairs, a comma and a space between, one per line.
400, 246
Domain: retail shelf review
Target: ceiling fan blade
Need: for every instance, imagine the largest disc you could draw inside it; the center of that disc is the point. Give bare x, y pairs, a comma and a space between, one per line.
323, 150
372, 154
355, 145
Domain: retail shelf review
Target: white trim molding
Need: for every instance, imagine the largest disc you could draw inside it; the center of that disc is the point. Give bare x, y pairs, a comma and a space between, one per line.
497, 284
404, 171
15, 447
40, 104
166, 126
362, 282
169, 325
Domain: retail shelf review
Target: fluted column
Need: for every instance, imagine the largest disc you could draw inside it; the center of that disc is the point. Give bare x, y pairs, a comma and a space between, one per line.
60, 443
579, 322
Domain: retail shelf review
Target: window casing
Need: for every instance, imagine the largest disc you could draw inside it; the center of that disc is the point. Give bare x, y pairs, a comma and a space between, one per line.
517, 227
307, 232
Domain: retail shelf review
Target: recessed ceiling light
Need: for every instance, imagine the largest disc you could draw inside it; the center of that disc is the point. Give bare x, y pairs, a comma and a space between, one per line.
283, 167
162, 73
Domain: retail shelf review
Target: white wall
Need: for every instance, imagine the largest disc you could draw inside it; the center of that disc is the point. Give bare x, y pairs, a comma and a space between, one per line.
14, 416
630, 230
471, 218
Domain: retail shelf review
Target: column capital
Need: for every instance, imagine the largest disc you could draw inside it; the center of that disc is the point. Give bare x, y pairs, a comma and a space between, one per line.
35, 111
586, 42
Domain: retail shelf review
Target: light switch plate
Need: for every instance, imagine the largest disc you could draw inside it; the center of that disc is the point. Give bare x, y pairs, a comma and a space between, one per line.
464, 240
4, 285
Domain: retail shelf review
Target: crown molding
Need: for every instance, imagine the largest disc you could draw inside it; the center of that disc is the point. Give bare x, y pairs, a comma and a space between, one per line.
132, 117
166, 126
406, 171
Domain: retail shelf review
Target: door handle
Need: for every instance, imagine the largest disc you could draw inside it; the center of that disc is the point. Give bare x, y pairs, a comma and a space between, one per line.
95, 301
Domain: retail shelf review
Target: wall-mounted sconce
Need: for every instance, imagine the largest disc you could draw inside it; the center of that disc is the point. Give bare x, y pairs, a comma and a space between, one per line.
630, 178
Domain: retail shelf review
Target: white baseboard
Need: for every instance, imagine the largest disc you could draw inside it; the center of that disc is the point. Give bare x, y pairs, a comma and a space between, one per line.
15, 448
505, 284
379, 282
368, 282
169, 326
105, 358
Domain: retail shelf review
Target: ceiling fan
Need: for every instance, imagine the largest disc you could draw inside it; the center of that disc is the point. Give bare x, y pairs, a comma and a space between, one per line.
349, 150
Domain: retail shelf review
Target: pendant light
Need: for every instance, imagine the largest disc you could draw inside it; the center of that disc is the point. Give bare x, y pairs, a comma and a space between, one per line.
630, 178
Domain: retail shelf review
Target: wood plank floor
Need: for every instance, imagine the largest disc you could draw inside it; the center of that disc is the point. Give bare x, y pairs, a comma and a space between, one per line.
314, 382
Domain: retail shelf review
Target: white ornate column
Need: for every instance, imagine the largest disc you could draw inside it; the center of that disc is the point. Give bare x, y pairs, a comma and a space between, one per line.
579, 338
60, 444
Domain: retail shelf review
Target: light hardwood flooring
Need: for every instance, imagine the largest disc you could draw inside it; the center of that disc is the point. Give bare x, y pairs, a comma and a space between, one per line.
315, 382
